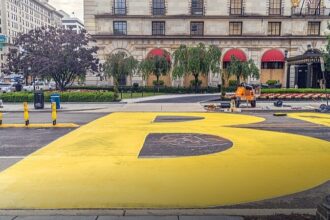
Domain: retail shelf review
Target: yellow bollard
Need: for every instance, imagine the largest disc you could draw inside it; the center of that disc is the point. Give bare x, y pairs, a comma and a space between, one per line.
26, 114
54, 113
1, 118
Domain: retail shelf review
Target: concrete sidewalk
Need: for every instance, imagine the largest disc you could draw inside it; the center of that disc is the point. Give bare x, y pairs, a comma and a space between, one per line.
148, 214
165, 97
137, 105
65, 107
120, 218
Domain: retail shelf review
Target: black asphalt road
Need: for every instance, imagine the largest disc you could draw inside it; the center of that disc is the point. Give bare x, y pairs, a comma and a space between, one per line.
289, 125
187, 99
17, 143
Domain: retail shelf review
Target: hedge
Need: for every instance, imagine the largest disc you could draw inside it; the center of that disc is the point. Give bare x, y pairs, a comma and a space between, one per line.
162, 89
284, 91
65, 97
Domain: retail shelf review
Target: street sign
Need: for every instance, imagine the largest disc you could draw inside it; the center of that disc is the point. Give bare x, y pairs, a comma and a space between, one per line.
3, 38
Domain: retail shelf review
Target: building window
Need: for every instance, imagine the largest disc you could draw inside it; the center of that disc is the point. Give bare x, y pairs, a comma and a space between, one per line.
197, 7
313, 28
197, 28
314, 7
120, 28
272, 65
120, 7
158, 7
158, 28
235, 28
236, 7
275, 7
274, 28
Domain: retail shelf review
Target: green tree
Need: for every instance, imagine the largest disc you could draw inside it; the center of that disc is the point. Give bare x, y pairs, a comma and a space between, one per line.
196, 61
242, 70
326, 57
53, 52
119, 65
156, 65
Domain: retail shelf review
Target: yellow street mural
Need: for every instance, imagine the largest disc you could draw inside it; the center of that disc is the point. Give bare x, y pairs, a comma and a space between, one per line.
98, 166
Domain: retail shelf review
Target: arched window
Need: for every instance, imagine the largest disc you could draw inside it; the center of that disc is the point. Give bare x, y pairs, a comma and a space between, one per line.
158, 7
272, 59
197, 7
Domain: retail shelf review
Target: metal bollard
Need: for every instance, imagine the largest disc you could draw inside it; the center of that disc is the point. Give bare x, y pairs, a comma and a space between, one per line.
1, 118
26, 114
54, 113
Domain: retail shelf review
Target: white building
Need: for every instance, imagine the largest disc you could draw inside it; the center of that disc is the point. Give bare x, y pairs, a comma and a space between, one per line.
20, 16
267, 31
71, 22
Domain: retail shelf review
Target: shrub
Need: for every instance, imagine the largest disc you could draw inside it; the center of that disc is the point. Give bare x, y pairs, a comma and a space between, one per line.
232, 83
160, 83
64, 96
272, 82
163, 89
193, 83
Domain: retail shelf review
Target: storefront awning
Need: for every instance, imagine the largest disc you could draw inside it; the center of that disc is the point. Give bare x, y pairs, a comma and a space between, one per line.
161, 53
240, 55
271, 56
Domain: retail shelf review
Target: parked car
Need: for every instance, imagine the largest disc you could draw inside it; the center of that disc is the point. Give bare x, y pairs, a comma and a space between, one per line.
6, 88
52, 85
39, 85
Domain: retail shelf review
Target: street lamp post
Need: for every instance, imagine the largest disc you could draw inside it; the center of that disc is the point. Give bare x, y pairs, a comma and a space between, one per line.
324, 79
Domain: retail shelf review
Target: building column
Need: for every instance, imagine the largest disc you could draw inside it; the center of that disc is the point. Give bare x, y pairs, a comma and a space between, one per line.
286, 79
291, 76
309, 82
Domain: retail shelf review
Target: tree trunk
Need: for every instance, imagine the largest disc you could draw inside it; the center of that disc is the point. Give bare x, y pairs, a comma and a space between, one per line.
115, 88
223, 87
26, 80
157, 82
196, 82
238, 81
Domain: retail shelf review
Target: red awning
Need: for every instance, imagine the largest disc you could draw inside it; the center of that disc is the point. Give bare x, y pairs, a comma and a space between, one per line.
273, 56
240, 55
160, 52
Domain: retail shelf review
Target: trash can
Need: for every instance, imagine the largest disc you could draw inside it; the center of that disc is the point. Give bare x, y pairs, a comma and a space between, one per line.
56, 98
39, 100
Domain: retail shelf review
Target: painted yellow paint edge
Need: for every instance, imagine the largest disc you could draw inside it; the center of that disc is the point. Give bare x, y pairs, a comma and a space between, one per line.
64, 125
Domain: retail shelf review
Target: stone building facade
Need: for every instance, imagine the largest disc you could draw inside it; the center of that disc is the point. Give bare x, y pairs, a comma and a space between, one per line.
20, 16
268, 32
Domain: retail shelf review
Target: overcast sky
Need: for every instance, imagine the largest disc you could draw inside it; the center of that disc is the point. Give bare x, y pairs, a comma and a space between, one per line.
69, 6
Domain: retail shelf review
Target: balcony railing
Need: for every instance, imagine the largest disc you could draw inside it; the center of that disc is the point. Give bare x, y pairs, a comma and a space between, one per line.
310, 11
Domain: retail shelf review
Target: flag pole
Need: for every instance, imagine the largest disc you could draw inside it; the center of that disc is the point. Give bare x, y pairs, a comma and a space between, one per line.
302, 7
318, 7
